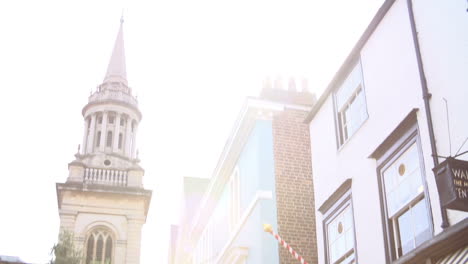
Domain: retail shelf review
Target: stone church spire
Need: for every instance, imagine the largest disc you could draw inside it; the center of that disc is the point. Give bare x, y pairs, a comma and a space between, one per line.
103, 201
112, 115
116, 70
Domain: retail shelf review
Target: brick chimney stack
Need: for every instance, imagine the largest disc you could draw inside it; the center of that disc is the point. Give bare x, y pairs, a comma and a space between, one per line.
293, 176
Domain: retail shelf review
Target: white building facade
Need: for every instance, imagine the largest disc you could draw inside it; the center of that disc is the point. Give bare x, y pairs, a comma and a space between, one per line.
103, 201
381, 127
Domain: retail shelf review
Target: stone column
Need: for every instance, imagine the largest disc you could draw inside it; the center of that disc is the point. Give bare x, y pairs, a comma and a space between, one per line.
67, 220
134, 140
120, 252
115, 143
92, 130
128, 134
133, 241
102, 144
85, 136
135, 178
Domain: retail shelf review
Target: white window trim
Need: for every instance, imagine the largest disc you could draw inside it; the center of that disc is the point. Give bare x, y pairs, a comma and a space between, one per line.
106, 232
338, 125
395, 151
234, 199
337, 208
203, 252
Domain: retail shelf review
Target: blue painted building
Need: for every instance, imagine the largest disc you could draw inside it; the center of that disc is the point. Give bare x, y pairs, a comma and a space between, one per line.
226, 226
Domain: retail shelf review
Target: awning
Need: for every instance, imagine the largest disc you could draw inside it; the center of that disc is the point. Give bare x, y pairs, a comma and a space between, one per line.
458, 257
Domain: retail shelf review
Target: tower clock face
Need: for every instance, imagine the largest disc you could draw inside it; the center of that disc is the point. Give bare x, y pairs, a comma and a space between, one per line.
107, 162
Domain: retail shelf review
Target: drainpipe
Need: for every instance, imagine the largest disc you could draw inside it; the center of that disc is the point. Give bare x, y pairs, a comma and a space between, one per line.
426, 98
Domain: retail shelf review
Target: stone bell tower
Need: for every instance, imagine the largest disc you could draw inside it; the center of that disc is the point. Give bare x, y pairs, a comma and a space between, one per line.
103, 201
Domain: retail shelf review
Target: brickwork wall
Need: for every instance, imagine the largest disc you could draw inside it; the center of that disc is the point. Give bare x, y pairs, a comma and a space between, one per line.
294, 186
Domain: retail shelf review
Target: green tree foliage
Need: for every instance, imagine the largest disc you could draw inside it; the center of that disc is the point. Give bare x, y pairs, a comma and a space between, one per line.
64, 252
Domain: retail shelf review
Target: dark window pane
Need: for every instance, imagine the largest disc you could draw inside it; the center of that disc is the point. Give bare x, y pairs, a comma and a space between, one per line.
98, 139
99, 248
120, 141
109, 139
340, 124
406, 234
89, 251
421, 223
108, 254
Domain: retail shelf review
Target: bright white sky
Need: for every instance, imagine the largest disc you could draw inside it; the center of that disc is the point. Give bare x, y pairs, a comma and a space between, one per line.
191, 63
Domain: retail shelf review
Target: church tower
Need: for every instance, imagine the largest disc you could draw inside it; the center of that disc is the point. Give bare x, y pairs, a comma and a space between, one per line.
103, 201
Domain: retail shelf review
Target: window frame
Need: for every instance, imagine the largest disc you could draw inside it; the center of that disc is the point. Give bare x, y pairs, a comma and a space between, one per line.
234, 213
109, 138
340, 140
98, 139
403, 141
111, 119
204, 248
109, 234
120, 143
338, 207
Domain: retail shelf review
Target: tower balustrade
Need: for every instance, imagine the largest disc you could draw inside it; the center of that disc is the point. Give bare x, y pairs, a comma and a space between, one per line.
105, 176
114, 95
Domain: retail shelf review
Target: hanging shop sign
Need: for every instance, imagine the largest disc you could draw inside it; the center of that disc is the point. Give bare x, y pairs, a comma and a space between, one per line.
452, 183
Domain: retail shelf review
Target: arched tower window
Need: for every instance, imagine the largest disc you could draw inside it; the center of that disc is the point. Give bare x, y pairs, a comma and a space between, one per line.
109, 139
120, 140
111, 118
99, 247
98, 139
88, 128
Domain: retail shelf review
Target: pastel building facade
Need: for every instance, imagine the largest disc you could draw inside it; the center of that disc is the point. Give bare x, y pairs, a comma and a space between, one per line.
262, 176
380, 129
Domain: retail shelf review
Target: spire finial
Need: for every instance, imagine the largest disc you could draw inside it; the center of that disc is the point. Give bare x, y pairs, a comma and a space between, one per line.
116, 71
122, 17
